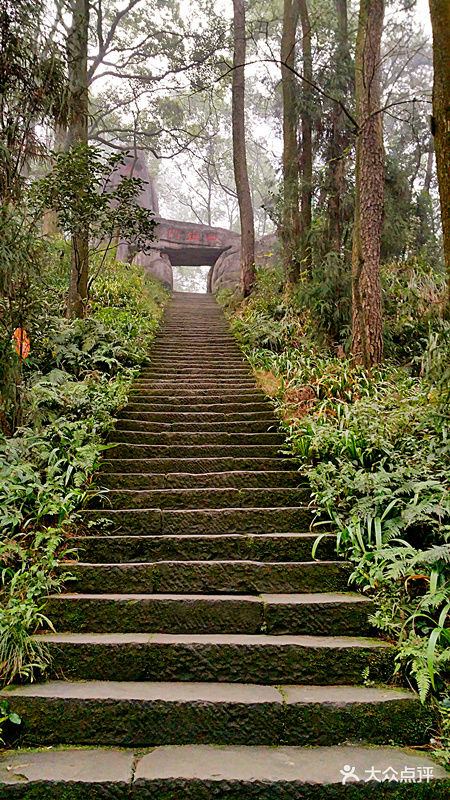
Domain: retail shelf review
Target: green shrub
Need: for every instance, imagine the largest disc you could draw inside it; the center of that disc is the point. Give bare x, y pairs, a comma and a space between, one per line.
76, 377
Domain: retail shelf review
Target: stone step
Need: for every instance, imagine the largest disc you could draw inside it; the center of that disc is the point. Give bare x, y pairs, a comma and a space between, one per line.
148, 714
194, 354
173, 404
185, 361
194, 465
186, 418
198, 380
183, 522
187, 398
127, 422
196, 438
193, 392
181, 480
201, 498
261, 659
199, 370
260, 547
240, 772
337, 614
197, 386
198, 577
124, 449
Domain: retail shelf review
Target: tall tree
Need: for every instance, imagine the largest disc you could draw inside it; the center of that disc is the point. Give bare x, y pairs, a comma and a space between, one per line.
306, 156
340, 137
440, 22
367, 332
291, 221
239, 150
77, 59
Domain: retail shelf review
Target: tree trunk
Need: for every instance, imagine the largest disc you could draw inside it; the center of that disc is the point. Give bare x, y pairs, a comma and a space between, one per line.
239, 151
429, 170
440, 22
306, 158
77, 52
367, 332
340, 135
291, 220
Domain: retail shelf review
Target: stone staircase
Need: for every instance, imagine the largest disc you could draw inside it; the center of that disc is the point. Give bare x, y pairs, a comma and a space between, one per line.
200, 652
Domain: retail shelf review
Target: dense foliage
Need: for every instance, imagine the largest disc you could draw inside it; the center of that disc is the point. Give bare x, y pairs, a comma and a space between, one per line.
75, 377
375, 447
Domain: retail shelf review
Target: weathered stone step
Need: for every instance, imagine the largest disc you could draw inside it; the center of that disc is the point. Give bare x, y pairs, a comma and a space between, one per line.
337, 614
193, 354
261, 659
198, 383
229, 371
186, 418
136, 423
200, 772
259, 547
181, 480
206, 520
195, 362
205, 497
173, 404
192, 392
188, 398
198, 577
193, 465
147, 714
127, 450
194, 438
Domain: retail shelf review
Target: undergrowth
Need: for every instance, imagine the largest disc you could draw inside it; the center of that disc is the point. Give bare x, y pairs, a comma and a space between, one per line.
75, 378
375, 447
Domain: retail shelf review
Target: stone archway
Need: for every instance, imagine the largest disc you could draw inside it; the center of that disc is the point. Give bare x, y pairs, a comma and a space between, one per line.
186, 244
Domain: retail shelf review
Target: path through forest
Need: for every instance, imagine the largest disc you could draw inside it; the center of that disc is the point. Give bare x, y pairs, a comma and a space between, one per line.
197, 616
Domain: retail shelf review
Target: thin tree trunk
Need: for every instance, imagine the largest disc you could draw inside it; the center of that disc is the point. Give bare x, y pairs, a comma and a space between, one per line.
367, 332
340, 135
306, 158
429, 170
239, 151
291, 220
440, 22
77, 51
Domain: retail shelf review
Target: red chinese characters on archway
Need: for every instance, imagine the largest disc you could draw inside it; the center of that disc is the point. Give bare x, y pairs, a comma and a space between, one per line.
21, 342
192, 237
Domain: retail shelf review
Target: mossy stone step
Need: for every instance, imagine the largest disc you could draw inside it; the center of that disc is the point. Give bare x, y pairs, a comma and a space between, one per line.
200, 498
262, 547
194, 437
198, 577
183, 418
215, 480
194, 465
198, 370
216, 520
127, 422
338, 613
260, 659
126, 449
172, 405
148, 714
